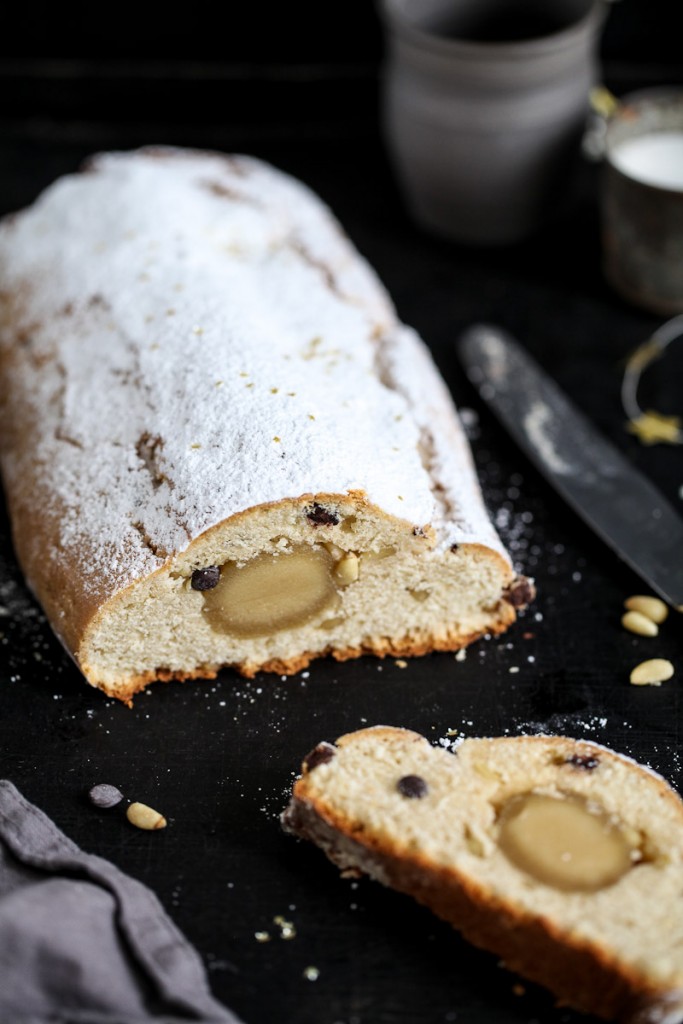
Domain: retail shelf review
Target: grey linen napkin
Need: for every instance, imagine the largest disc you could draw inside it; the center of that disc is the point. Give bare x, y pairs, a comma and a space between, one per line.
82, 943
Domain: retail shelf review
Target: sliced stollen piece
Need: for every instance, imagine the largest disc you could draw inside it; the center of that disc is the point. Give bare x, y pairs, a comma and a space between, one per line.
561, 856
219, 445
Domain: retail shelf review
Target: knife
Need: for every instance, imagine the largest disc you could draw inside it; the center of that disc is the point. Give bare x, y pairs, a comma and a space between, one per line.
594, 478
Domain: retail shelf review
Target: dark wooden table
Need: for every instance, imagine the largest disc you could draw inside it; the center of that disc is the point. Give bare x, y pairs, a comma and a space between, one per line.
218, 758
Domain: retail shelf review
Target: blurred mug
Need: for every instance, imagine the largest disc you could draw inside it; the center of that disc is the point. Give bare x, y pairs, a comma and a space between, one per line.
485, 103
642, 199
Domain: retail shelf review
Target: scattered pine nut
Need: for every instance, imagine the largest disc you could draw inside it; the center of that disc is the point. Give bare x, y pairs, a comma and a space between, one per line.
652, 672
636, 622
347, 569
145, 817
651, 607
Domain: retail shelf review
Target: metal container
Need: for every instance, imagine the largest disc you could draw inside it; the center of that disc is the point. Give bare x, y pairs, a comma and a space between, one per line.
642, 213
485, 102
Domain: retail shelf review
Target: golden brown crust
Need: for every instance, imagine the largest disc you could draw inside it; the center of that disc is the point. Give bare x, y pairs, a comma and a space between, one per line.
581, 973
85, 617
85, 576
381, 647
75, 612
87, 614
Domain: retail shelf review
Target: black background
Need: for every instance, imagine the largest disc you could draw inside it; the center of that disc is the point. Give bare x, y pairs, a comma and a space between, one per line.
298, 85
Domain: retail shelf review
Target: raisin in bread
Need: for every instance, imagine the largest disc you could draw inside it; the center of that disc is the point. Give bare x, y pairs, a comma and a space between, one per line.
219, 445
561, 856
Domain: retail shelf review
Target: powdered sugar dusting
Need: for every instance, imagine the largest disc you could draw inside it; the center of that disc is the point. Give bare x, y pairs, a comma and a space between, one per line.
539, 424
217, 344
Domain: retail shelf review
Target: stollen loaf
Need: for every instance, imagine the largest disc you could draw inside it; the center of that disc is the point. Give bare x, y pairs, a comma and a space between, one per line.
559, 855
220, 447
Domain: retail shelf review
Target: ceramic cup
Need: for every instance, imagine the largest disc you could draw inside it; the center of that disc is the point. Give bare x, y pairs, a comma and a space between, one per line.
484, 105
642, 200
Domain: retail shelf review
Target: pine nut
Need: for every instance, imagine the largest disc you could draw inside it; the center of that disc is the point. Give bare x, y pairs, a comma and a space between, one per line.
652, 672
145, 817
346, 569
652, 607
636, 622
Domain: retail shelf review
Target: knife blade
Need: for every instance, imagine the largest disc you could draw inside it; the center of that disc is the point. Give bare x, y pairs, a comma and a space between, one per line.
620, 504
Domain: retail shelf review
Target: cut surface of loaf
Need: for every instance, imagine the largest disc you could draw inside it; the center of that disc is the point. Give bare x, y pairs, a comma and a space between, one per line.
219, 444
559, 855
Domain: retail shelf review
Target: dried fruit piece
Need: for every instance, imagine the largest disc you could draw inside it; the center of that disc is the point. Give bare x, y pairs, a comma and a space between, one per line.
320, 516
205, 579
104, 795
520, 593
145, 817
564, 842
582, 762
412, 786
638, 623
271, 592
652, 672
321, 754
652, 607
